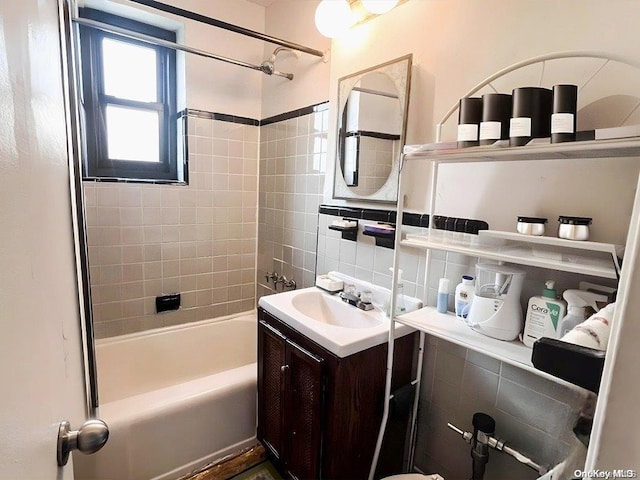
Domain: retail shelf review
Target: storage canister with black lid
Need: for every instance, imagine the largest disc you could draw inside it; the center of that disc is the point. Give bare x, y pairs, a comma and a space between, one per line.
530, 115
469, 118
496, 113
563, 118
574, 228
531, 225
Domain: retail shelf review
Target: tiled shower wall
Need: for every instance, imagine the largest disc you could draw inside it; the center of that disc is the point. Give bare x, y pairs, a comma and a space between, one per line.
532, 414
293, 156
198, 239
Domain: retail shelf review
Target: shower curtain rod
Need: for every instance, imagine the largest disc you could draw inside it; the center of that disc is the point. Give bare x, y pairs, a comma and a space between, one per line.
229, 26
175, 46
374, 92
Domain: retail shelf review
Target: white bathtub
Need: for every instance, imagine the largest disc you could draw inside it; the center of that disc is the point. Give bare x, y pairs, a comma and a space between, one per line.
175, 399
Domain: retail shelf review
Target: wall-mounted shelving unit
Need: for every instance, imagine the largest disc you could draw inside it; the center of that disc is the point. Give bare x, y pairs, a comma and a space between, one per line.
580, 257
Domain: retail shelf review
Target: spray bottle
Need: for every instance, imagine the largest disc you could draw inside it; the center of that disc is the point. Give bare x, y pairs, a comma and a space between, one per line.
578, 301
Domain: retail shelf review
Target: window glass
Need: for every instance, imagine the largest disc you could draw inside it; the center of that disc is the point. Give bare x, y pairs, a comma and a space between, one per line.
130, 120
132, 134
129, 70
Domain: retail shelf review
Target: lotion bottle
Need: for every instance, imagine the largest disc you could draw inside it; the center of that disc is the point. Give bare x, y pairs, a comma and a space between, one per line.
464, 296
543, 315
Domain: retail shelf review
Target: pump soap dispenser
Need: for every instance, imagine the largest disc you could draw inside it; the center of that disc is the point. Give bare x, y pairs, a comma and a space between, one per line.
578, 301
543, 315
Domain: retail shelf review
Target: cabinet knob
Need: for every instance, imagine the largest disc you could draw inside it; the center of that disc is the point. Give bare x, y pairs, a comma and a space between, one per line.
284, 368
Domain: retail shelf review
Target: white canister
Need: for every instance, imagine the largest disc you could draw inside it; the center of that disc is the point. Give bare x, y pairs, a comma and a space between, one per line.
531, 225
574, 228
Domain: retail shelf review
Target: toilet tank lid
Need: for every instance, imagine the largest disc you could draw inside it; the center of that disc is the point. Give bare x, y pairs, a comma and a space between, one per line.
414, 476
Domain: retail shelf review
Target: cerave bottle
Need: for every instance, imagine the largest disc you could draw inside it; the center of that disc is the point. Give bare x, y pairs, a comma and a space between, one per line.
543, 315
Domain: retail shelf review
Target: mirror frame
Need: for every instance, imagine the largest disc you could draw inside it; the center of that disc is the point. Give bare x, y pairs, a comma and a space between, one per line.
399, 71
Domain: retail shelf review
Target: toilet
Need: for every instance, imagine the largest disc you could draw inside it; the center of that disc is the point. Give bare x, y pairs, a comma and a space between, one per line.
414, 476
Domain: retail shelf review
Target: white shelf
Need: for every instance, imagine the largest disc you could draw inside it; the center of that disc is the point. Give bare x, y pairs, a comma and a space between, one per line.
554, 241
586, 258
540, 149
450, 328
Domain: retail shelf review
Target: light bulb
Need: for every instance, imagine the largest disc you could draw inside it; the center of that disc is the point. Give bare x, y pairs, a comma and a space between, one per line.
378, 6
333, 17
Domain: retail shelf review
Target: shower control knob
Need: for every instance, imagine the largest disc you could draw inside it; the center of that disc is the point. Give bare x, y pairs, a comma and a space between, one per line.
90, 438
271, 276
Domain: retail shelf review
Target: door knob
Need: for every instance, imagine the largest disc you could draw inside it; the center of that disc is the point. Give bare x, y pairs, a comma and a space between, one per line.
90, 438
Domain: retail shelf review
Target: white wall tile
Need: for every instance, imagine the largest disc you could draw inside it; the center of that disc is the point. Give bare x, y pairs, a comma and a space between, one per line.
365, 256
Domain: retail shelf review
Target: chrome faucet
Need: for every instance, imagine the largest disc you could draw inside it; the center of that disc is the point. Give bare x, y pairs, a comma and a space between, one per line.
349, 295
285, 282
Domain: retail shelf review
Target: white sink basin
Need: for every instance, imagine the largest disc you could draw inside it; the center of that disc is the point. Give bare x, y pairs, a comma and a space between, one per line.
324, 309
337, 326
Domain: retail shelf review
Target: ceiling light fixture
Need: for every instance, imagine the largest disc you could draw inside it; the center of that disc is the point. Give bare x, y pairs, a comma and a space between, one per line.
379, 7
333, 17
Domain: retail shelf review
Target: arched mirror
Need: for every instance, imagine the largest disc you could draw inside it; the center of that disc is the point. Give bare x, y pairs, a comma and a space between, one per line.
370, 131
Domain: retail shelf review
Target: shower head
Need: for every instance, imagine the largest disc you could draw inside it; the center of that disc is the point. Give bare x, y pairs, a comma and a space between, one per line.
269, 66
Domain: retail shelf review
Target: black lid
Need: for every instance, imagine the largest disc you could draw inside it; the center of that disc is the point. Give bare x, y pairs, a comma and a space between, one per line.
532, 219
565, 98
470, 110
575, 220
484, 423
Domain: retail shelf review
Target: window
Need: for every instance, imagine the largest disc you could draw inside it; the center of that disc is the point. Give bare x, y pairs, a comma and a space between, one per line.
129, 97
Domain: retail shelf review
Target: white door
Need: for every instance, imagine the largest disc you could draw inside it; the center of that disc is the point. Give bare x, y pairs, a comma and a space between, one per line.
41, 372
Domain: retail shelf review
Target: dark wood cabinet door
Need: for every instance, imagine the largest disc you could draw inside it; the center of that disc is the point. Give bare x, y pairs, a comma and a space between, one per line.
271, 359
318, 414
304, 382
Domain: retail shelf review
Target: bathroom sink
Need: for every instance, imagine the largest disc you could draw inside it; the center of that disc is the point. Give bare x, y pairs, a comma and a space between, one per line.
325, 309
324, 318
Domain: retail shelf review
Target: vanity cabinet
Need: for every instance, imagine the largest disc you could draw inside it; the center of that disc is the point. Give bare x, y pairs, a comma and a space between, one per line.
291, 385
319, 414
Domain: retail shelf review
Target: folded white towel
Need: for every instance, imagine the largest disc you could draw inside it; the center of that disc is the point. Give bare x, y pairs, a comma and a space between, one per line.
593, 332
582, 338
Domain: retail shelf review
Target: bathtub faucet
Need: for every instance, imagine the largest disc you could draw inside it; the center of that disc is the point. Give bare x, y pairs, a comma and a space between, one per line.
285, 283
271, 276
